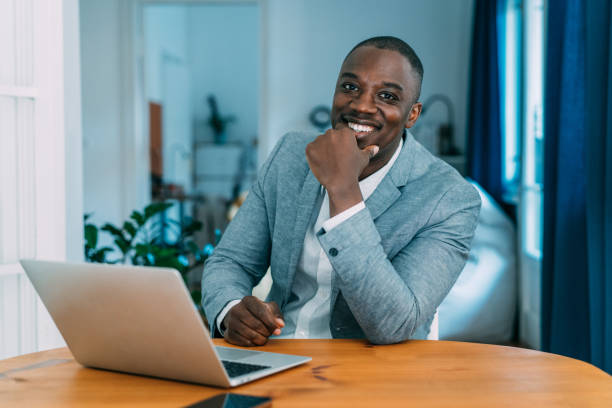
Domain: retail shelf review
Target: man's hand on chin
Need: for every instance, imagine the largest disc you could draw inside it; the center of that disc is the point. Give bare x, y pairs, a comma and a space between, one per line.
252, 321
337, 161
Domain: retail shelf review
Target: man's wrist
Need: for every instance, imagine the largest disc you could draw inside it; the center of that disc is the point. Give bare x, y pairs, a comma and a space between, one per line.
338, 219
224, 313
342, 198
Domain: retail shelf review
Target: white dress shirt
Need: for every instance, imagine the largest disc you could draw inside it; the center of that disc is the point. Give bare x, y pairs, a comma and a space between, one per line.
307, 313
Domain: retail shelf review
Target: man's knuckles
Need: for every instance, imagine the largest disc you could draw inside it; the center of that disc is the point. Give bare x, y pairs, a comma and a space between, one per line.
254, 337
235, 338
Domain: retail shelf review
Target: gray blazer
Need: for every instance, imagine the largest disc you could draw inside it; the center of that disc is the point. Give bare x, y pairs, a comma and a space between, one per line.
394, 262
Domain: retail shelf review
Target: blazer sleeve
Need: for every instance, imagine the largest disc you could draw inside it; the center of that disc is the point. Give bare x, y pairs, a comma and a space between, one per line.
242, 256
390, 298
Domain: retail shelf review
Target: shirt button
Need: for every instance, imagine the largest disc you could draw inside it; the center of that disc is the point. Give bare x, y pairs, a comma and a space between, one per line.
333, 252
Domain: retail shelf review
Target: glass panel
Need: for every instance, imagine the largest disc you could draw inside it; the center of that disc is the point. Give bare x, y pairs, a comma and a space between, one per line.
510, 78
532, 199
533, 141
9, 316
25, 170
8, 182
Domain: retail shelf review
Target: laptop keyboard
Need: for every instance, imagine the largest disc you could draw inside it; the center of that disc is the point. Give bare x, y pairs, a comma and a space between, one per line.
235, 369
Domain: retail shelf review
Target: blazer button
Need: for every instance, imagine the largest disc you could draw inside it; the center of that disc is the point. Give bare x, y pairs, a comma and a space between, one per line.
333, 252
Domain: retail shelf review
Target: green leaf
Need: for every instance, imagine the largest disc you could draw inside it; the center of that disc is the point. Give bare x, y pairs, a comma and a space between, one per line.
196, 296
191, 228
100, 255
130, 228
155, 208
168, 253
123, 245
192, 247
116, 232
169, 262
142, 249
91, 235
138, 217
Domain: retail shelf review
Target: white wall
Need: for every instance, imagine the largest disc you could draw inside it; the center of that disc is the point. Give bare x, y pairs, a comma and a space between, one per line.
165, 35
307, 40
73, 128
101, 99
168, 82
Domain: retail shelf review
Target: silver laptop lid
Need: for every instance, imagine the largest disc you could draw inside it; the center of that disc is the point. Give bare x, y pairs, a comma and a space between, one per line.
134, 319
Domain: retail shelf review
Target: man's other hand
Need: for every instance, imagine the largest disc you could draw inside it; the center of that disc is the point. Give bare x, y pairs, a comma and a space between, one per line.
252, 321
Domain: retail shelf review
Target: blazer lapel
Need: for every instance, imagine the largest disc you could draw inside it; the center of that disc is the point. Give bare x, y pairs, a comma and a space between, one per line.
306, 205
385, 194
387, 191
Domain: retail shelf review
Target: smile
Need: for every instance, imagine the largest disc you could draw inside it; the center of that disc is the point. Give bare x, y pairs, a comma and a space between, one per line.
361, 128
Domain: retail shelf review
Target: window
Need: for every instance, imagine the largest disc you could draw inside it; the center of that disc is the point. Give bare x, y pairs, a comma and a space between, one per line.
509, 50
521, 38
533, 128
522, 84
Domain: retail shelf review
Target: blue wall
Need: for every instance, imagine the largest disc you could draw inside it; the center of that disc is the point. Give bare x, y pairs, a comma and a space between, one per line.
224, 47
306, 41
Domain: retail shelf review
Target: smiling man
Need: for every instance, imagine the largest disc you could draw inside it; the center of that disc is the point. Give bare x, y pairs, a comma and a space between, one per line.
364, 230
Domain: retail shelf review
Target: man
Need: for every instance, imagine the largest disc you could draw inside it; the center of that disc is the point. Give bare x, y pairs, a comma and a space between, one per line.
364, 230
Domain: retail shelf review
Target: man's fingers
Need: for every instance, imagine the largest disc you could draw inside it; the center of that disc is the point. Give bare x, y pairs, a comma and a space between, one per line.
262, 312
251, 336
277, 314
243, 316
236, 337
372, 150
240, 333
232, 335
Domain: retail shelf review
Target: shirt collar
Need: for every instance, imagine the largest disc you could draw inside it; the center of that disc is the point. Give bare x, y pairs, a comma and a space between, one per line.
369, 184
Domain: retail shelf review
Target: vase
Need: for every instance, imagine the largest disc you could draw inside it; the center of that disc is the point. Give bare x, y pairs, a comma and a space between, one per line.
220, 137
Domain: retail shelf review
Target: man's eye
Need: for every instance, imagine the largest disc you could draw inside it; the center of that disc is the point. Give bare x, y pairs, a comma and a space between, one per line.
348, 86
388, 96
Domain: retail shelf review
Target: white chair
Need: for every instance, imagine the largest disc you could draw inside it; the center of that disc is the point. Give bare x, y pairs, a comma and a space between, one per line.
434, 330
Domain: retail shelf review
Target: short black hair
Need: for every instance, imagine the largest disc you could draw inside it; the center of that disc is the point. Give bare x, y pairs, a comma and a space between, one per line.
398, 45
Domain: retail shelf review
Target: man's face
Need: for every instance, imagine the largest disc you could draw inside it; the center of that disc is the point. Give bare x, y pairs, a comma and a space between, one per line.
374, 96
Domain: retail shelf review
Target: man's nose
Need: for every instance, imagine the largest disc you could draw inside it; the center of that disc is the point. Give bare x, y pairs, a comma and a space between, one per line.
364, 102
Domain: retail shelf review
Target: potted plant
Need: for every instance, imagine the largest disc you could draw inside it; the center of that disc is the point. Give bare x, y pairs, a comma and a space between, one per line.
217, 122
141, 240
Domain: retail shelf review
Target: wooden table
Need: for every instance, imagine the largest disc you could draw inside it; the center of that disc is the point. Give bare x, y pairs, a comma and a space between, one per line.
342, 373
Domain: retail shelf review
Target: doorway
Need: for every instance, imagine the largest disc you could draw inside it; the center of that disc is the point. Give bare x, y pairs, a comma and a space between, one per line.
201, 71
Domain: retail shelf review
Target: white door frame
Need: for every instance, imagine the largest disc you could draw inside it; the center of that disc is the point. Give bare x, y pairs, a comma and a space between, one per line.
40, 162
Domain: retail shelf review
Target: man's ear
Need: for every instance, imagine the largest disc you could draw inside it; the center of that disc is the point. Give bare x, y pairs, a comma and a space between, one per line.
415, 112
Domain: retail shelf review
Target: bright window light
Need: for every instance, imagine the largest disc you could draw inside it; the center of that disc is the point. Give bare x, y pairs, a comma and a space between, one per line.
521, 73
510, 92
533, 126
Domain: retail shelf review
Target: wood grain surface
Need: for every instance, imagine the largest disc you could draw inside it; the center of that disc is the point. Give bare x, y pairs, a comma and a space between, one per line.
348, 373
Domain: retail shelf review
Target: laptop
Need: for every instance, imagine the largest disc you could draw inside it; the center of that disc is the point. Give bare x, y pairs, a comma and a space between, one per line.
141, 320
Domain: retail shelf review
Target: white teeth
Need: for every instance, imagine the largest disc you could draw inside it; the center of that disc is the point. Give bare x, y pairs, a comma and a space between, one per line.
360, 128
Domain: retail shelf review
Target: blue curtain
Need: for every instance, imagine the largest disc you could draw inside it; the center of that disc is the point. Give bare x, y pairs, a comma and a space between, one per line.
484, 121
577, 249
